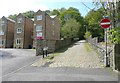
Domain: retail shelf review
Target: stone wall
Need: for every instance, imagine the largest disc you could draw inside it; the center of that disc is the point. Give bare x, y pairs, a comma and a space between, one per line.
100, 48
52, 45
62, 43
117, 56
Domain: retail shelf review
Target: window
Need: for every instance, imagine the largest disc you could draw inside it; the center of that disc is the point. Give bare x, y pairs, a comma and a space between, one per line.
39, 34
1, 42
19, 20
38, 28
1, 32
39, 17
3, 23
18, 41
19, 30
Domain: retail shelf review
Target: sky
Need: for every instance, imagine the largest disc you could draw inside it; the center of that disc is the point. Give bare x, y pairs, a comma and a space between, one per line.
11, 7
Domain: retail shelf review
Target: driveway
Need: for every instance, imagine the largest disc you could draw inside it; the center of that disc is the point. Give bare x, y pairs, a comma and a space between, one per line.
14, 59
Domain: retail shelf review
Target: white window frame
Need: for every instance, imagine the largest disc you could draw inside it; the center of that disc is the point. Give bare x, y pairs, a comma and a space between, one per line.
39, 34
39, 17
18, 41
1, 32
3, 23
19, 20
39, 28
19, 30
1, 42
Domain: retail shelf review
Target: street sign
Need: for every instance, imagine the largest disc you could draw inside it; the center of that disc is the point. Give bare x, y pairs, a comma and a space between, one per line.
105, 23
39, 38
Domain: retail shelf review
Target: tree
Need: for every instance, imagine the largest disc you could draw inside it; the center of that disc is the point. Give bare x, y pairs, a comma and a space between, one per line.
87, 34
29, 14
48, 12
55, 12
93, 19
115, 35
72, 13
12, 16
68, 14
62, 10
70, 29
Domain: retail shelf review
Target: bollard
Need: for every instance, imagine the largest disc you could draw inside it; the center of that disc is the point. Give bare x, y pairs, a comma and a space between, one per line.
43, 53
46, 53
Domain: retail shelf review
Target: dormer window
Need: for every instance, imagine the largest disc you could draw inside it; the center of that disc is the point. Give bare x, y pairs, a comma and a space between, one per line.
19, 20
39, 34
18, 41
3, 23
38, 28
1, 32
1, 42
19, 30
39, 17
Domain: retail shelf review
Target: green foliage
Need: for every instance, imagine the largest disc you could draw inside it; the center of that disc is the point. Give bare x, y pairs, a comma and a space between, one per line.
12, 16
62, 10
48, 12
87, 34
29, 14
115, 35
93, 19
70, 29
70, 13
55, 12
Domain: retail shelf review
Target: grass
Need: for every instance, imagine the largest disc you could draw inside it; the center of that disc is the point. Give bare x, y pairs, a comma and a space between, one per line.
88, 47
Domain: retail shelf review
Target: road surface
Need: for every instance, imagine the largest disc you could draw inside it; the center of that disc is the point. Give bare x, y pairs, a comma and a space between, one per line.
61, 72
14, 59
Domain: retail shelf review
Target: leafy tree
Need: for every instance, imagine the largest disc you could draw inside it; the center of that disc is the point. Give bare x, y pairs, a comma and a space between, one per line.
62, 10
55, 12
70, 29
87, 34
12, 16
29, 14
93, 19
48, 12
115, 35
68, 14
73, 9
72, 13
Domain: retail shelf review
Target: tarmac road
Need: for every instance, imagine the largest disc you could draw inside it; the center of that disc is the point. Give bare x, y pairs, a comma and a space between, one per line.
14, 59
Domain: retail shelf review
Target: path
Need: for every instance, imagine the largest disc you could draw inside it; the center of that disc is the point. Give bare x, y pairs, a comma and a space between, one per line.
78, 56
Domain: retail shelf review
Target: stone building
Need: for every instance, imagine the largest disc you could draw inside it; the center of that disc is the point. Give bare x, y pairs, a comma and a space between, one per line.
6, 32
48, 28
23, 32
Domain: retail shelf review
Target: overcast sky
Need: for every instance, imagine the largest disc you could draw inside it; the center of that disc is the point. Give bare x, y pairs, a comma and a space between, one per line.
8, 7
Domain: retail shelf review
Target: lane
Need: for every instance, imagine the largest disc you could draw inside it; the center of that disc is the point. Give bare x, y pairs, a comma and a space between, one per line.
78, 56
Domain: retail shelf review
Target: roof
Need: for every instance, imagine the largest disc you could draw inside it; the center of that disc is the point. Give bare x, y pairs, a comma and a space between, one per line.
10, 19
53, 16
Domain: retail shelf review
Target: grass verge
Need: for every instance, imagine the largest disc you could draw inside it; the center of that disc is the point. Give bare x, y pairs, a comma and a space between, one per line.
88, 47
